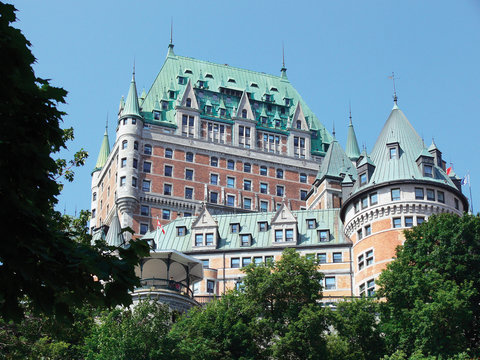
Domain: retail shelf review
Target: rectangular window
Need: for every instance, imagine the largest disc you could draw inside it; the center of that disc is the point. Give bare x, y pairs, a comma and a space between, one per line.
143, 229
263, 170
303, 194
330, 283
168, 170
397, 222
288, 235
210, 286
146, 185
363, 179
247, 185
147, 167
279, 174
230, 182
395, 194
235, 262
361, 290
245, 239
188, 193
169, 153
257, 260
230, 165
181, 231
187, 214
214, 161
262, 226
247, 204
123, 180
361, 263
269, 259
393, 153
364, 202
323, 236
368, 230
408, 221
167, 189
209, 239
234, 228
441, 196
247, 167
134, 182
123, 162
189, 157
213, 197
427, 171
311, 223
214, 179
264, 188
280, 190
246, 261
419, 195
303, 178
205, 263
420, 220
198, 239
263, 206
371, 287
278, 235
144, 210
135, 164
373, 199
230, 200
369, 257
359, 234
188, 174
457, 205
166, 214
430, 195
322, 258
337, 257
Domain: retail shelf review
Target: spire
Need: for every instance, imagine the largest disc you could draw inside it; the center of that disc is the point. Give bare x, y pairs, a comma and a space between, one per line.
114, 235
104, 150
170, 45
394, 91
283, 70
131, 104
352, 150
333, 130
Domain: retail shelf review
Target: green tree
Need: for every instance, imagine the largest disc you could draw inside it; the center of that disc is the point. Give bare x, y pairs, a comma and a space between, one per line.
137, 333
357, 334
275, 315
432, 289
39, 259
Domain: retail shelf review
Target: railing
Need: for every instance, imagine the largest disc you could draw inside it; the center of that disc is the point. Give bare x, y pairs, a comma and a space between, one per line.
205, 299
165, 284
326, 300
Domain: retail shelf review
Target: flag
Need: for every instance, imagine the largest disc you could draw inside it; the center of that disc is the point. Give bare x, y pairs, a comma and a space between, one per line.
159, 226
465, 180
449, 170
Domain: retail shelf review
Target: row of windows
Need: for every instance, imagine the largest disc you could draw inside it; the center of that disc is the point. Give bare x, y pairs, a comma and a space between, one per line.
322, 257
407, 221
371, 199
366, 231
235, 262
147, 148
365, 259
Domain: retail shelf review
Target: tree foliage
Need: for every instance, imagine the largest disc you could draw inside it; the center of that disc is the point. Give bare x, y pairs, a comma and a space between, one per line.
432, 289
39, 259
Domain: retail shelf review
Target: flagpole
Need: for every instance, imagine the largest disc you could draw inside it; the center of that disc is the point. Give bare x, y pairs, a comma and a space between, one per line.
470, 189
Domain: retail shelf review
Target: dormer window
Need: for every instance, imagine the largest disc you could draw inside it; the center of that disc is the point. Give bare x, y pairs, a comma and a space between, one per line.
188, 103
284, 235
208, 109
393, 152
287, 102
244, 113
201, 83
171, 94
209, 76
299, 124
188, 71
230, 80
164, 105
246, 239
363, 179
323, 235
263, 119
235, 228
268, 97
223, 112
427, 171
181, 230
255, 85
311, 223
156, 115
262, 226
181, 80
273, 89
277, 123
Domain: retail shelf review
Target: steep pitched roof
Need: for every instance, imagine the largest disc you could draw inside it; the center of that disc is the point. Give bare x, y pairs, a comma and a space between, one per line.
103, 153
225, 76
336, 162
114, 235
398, 129
326, 220
351, 149
131, 104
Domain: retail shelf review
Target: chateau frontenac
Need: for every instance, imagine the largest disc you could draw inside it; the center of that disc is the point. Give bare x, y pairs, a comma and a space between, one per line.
230, 167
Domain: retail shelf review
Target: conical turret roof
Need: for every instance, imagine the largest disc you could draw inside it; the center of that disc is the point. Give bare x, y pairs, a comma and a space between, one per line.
104, 152
131, 104
351, 149
336, 162
114, 235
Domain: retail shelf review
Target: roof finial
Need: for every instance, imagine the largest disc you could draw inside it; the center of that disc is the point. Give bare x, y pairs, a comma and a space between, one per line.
283, 70
171, 31
106, 124
333, 131
350, 111
133, 73
394, 88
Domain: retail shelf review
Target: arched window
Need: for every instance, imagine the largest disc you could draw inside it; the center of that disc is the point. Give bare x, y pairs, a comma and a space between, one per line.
147, 149
244, 113
188, 103
124, 144
299, 124
94, 196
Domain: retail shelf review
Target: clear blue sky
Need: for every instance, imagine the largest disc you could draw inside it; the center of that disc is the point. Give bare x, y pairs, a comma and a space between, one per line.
335, 52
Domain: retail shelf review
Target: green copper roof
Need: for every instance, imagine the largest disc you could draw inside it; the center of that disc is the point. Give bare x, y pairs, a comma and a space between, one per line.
131, 104
433, 146
336, 162
365, 159
398, 129
103, 154
326, 220
177, 70
351, 149
114, 235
